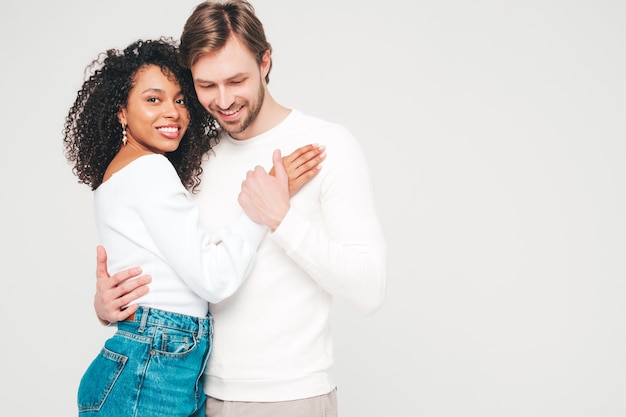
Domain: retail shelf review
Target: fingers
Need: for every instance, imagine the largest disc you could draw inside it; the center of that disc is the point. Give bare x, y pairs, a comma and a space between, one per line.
307, 165
127, 312
304, 153
118, 281
310, 157
311, 166
300, 166
113, 293
302, 160
126, 300
102, 272
101, 262
127, 290
279, 167
292, 157
125, 275
297, 183
110, 302
306, 162
265, 198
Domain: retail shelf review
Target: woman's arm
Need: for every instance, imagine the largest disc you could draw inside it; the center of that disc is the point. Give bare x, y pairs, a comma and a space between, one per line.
114, 292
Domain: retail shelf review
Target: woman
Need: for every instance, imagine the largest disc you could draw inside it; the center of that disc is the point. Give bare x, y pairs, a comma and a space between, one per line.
136, 135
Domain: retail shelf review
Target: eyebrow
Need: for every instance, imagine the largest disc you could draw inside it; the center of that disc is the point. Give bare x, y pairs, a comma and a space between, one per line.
238, 75
158, 90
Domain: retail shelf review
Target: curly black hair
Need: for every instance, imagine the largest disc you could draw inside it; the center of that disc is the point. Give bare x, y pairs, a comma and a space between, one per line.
92, 131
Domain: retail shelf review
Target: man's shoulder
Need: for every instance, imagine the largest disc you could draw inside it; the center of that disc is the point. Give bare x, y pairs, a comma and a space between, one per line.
309, 122
306, 118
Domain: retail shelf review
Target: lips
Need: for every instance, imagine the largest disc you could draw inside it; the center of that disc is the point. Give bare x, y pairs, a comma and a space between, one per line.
170, 132
231, 114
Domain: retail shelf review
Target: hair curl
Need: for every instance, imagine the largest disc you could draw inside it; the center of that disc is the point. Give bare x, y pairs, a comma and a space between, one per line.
92, 131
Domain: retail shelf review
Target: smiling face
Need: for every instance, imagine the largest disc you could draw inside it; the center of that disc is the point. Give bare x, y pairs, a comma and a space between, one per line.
155, 114
230, 84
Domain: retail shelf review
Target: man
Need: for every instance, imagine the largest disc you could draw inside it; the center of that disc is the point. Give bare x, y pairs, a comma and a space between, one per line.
272, 348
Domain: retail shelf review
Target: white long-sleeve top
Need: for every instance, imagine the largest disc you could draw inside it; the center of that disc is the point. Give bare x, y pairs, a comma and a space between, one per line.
145, 217
272, 339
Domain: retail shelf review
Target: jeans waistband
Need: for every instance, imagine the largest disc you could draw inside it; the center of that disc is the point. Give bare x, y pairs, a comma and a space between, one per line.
148, 316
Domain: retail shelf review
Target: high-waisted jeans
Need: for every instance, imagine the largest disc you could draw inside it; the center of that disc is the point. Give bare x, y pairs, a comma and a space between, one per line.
151, 367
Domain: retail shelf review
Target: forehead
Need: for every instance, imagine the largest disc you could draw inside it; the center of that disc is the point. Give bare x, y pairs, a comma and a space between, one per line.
153, 76
232, 59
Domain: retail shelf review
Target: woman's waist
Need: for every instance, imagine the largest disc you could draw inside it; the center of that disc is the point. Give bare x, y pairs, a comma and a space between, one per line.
146, 316
178, 299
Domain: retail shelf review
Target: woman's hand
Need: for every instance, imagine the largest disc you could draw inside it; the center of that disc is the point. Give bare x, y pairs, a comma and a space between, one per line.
302, 165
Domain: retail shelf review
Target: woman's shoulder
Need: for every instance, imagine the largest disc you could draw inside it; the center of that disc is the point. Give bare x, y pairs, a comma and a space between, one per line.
141, 167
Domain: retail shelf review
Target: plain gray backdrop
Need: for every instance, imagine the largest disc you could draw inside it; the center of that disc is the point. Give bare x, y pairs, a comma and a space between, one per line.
496, 136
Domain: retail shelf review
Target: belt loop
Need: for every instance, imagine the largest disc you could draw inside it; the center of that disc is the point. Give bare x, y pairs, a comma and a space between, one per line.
201, 325
144, 319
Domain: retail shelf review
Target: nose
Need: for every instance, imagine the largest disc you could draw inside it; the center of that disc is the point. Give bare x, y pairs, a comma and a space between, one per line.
170, 110
224, 98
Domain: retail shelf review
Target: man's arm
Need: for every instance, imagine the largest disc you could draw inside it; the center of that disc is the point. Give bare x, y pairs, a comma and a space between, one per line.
346, 255
344, 249
114, 292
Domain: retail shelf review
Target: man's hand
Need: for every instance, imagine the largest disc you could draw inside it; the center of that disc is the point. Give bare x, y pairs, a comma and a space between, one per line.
265, 198
113, 293
302, 165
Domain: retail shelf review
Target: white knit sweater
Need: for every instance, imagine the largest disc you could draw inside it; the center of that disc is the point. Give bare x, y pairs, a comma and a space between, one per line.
272, 338
145, 217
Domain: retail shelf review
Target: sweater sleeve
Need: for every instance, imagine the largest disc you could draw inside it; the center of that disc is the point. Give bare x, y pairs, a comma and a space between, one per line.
346, 255
213, 266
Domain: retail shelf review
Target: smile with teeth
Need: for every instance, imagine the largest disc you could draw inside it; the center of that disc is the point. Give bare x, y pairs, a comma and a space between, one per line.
230, 113
168, 129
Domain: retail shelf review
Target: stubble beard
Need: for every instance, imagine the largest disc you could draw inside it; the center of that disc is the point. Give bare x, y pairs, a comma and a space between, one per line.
254, 109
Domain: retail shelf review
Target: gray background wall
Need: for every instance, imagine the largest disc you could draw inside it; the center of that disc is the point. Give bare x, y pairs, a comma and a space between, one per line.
496, 136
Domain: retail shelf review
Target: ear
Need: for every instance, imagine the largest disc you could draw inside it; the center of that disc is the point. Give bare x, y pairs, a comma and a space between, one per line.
266, 63
121, 116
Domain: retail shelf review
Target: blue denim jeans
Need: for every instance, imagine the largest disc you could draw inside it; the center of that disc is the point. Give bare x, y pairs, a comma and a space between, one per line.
152, 367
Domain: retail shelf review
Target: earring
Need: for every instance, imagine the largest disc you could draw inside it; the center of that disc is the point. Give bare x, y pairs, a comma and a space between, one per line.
124, 138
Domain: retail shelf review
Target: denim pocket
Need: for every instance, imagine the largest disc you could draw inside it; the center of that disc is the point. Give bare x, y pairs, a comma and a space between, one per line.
99, 379
173, 342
